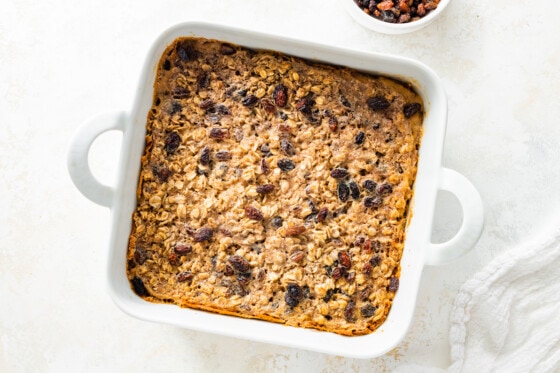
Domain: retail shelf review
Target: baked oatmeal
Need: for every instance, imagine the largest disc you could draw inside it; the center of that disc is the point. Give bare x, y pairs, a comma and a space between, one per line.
273, 187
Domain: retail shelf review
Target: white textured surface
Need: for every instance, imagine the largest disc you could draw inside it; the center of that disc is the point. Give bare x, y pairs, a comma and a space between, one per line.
62, 62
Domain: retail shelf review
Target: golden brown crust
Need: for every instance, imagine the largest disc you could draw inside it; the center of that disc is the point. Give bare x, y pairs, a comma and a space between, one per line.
274, 188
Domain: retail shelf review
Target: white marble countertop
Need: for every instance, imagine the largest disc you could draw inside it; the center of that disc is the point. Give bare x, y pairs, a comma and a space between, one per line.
62, 62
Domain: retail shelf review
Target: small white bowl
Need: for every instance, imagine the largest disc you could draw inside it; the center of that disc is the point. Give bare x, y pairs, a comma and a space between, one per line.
375, 24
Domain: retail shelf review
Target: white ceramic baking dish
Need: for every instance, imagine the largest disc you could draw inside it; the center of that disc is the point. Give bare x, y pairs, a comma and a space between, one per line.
418, 250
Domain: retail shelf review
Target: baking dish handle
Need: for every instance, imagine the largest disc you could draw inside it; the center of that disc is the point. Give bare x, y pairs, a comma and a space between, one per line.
78, 156
473, 219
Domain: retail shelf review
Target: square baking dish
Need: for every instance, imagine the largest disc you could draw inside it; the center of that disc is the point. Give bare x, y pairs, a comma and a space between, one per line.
418, 250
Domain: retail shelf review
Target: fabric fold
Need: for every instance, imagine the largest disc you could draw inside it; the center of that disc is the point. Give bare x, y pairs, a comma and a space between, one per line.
506, 318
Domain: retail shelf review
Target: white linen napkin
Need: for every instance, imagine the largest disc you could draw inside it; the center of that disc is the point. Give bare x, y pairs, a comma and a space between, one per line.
507, 317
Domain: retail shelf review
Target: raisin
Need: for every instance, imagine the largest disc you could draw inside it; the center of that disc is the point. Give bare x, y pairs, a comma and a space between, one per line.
206, 104
140, 255
223, 155
236, 289
239, 263
368, 310
264, 167
185, 276
385, 5
280, 95
367, 268
297, 256
229, 270
180, 92
286, 164
344, 259
364, 293
205, 155
328, 295
243, 278
222, 109
354, 190
375, 260
387, 15
268, 105
139, 287
167, 65
265, 189
227, 49
253, 213
174, 107
343, 192
294, 230
383, 189
411, 109
174, 259
182, 249
277, 222
378, 103
293, 295
328, 270
393, 284
162, 173
404, 18
345, 102
203, 234
287, 147
186, 52
360, 138
371, 202
430, 5
367, 246
349, 311
265, 150
339, 173
250, 100
338, 272
370, 185
333, 124
172, 142
219, 133
203, 81
322, 214
305, 105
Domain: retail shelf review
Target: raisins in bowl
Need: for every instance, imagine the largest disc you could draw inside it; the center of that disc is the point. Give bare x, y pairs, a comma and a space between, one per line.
397, 11
395, 16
